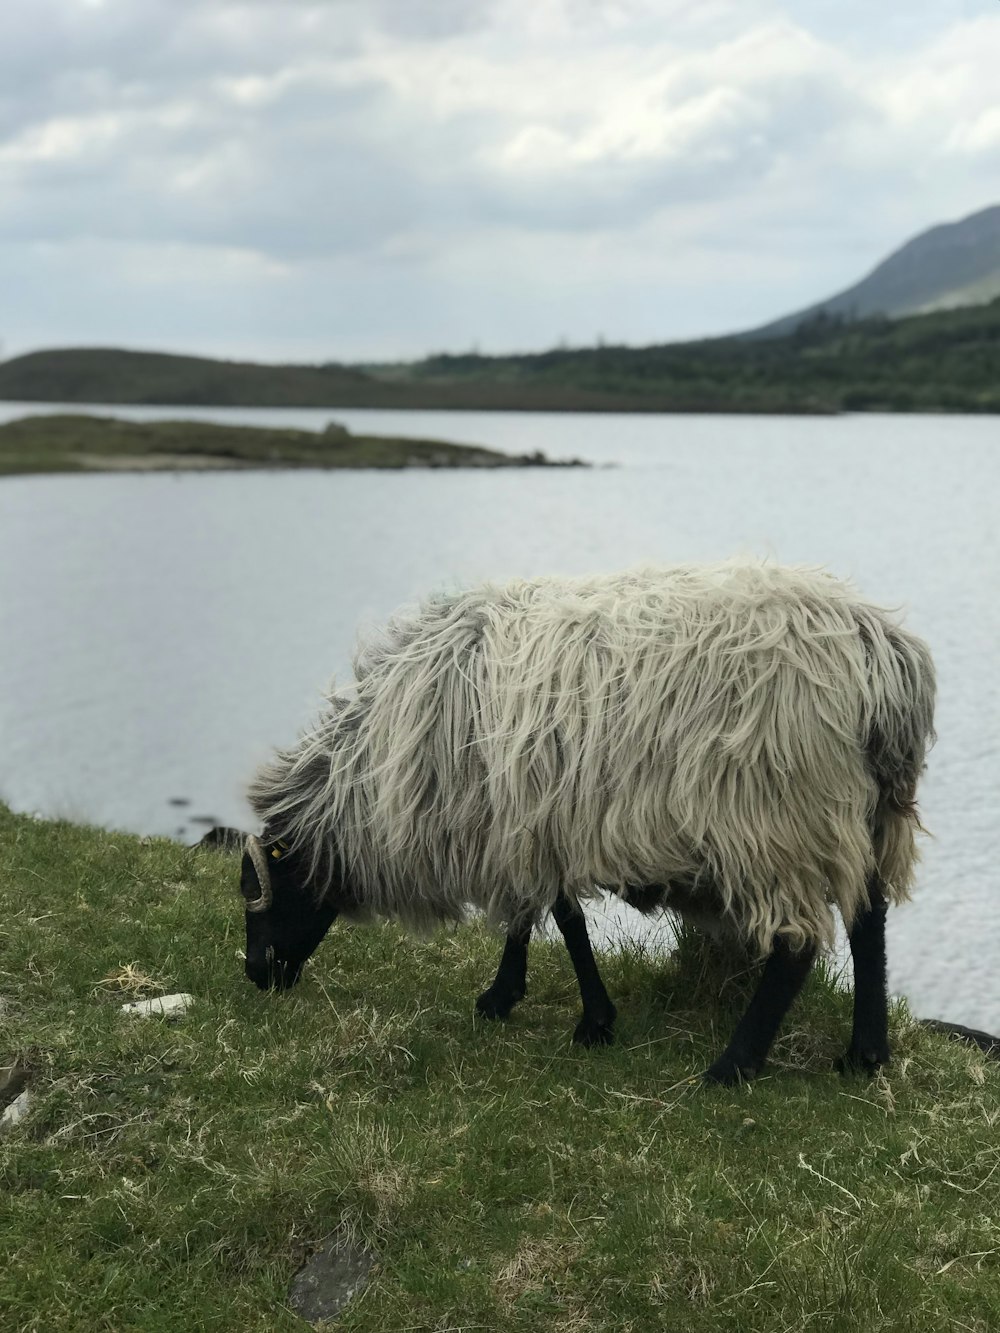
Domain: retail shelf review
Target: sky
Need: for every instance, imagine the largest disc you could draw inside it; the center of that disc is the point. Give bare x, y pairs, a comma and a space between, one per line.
351, 180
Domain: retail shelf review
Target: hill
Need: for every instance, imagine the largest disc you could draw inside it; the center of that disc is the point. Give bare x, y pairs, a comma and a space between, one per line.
112, 375
945, 361
955, 264
949, 361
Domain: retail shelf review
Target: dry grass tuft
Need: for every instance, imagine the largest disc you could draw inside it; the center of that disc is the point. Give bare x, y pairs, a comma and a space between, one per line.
130, 979
538, 1264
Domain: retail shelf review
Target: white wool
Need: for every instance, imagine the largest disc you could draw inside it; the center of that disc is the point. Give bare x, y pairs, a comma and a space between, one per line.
746, 734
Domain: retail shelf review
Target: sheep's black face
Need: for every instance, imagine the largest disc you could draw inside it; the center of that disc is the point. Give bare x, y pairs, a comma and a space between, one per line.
286, 932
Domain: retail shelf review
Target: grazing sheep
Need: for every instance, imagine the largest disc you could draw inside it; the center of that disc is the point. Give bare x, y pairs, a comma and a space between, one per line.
738, 742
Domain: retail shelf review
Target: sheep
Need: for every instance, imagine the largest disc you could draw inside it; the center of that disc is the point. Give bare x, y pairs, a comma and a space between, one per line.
738, 742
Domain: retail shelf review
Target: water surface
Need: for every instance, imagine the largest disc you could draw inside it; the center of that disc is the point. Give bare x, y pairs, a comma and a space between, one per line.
162, 632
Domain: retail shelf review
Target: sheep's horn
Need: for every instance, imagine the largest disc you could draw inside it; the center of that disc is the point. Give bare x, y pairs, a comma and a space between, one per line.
258, 856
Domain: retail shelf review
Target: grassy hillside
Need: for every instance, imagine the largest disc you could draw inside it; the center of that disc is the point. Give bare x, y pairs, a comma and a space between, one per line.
102, 444
108, 375
947, 361
90, 375
173, 1176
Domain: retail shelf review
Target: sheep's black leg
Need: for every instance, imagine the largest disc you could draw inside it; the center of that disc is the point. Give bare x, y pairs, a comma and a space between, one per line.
869, 1046
510, 982
784, 973
596, 1027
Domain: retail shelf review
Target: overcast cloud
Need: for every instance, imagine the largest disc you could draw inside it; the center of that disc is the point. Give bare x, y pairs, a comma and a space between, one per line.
377, 178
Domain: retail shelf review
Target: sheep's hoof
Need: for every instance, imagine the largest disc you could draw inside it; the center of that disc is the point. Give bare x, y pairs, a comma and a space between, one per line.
864, 1060
497, 1003
591, 1032
728, 1072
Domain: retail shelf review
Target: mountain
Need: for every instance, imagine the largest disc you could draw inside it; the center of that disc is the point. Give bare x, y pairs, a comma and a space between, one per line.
955, 264
948, 360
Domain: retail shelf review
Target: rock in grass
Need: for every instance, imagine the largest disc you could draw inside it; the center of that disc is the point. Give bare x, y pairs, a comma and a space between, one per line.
334, 1275
164, 1006
986, 1042
16, 1111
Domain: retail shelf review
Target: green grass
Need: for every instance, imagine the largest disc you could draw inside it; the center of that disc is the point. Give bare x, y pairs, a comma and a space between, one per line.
70, 443
173, 1176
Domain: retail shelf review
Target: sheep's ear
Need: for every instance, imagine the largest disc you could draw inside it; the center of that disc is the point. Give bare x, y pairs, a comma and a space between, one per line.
255, 877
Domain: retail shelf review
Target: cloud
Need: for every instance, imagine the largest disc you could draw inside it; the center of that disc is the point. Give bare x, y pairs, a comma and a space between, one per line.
424, 145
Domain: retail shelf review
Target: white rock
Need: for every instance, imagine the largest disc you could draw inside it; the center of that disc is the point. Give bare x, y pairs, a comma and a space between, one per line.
166, 1006
16, 1111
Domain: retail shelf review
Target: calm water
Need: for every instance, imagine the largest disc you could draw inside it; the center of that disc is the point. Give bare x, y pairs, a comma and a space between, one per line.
160, 633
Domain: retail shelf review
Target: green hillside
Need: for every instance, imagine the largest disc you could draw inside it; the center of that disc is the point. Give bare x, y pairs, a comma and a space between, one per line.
113, 376
945, 361
110, 375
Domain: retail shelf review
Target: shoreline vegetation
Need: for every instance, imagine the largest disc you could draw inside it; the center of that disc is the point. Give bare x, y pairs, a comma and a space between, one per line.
79, 443
176, 1173
945, 361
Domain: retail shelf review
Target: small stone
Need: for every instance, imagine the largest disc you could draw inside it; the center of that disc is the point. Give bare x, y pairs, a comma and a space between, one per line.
330, 1280
163, 1006
16, 1111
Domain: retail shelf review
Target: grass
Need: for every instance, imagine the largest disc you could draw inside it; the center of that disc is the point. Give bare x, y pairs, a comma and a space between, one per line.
77, 443
173, 1176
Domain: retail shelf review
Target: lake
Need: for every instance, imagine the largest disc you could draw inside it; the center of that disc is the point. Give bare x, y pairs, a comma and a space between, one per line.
162, 632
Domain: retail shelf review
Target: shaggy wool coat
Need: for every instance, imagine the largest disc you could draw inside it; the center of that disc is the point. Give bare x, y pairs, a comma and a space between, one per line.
745, 735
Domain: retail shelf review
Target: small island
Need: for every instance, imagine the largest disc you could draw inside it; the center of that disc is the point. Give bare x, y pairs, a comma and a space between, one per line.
80, 443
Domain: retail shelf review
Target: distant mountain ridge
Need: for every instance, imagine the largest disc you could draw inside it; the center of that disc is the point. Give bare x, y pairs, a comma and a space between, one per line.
954, 264
945, 361
920, 333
